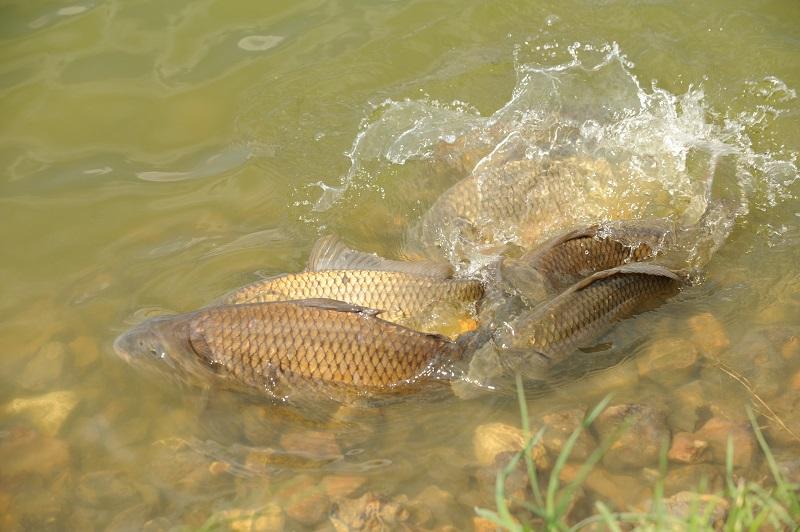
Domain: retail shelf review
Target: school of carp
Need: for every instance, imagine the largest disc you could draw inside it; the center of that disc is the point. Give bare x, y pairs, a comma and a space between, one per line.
354, 324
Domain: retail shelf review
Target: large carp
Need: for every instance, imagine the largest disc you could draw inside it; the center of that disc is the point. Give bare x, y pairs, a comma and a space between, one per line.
326, 347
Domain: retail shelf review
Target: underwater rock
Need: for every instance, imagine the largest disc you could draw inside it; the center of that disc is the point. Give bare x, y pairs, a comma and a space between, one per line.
370, 512
338, 486
267, 518
668, 361
708, 334
560, 426
686, 406
621, 491
432, 504
716, 432
686, 503
686, 449
311, 443
702, 477
790, 350
44, 369
84, 350
642, 431
304, 500
493, 439
46, 412
26, 452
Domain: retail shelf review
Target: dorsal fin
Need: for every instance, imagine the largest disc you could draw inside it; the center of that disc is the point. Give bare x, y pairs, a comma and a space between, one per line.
636, 267
330, 253
547, 246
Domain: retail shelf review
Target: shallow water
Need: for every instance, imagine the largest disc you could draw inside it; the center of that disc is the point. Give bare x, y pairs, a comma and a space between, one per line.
155, 156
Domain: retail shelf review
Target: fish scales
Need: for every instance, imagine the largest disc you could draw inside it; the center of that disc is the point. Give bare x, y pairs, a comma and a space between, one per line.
567, 258
587, 310
258, 343
401, 296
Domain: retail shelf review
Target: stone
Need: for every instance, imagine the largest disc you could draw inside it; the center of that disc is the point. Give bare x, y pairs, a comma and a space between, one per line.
84, 351
493, 439
669, 361
109, 489
371, 511
26, 452
44, 369
313, 443
621, 491
46, 412
304, 500
481, 524
338, 486
701, 477
708, 334
432, 504
791, 348
257, 426
794, 381
686, 449
686, 503
716, 432
267, 518
686, 406
638, 431
559, 426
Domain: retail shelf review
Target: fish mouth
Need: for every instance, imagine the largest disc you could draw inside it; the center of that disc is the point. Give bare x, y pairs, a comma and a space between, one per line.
120, 346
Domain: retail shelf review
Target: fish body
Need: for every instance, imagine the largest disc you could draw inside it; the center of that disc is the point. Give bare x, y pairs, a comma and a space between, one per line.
583, 313
519, 202
401, 297
406, 292
281, 348
564, 260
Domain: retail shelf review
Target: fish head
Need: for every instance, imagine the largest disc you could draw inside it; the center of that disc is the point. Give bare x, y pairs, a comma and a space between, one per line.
160, 343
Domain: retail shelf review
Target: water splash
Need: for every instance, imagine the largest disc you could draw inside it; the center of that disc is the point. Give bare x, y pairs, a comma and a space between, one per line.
654, 153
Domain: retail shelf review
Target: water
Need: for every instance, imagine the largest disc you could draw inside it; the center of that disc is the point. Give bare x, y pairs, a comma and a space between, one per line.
156, 156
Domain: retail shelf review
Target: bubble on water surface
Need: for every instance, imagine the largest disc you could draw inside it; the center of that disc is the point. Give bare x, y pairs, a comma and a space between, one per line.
259, 43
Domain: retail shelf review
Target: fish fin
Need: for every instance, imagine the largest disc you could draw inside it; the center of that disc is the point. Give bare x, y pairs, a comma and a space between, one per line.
333, 304
636, 267
330, 253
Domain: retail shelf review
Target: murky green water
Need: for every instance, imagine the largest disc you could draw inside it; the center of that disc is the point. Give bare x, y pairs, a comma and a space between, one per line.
155, 155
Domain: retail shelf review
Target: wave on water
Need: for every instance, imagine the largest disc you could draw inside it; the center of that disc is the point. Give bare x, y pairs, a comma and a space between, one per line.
661, 154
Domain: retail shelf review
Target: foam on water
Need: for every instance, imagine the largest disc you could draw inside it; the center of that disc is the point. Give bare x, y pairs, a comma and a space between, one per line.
667, 154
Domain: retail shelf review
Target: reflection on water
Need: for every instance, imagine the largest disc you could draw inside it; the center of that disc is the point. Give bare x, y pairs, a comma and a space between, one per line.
155, 157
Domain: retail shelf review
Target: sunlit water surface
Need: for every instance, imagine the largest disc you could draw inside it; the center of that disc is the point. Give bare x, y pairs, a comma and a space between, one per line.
157, 155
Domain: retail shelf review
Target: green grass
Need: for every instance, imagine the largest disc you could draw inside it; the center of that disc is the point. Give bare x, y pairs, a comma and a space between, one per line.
750, 505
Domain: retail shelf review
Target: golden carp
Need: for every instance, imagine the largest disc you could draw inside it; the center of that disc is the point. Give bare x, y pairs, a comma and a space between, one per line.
564, 260
407, 293
282, 348
588, 309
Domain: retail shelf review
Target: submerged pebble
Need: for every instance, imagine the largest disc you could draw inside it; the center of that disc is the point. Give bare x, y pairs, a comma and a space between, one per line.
638, 432
27, 452
702, 477
687, 449
669, 361
46, 412
371, 511
268, 517
44, 369
559, 426
716, 432
708, 334
493, 439
304, 500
